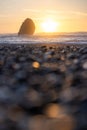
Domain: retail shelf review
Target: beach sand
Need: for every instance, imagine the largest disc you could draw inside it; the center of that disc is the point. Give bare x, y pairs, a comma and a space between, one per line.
43, 87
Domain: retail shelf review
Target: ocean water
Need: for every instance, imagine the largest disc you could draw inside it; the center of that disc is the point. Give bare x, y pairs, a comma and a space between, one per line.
70, 38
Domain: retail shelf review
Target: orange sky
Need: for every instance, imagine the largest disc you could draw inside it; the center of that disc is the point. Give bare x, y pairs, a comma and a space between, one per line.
70, 15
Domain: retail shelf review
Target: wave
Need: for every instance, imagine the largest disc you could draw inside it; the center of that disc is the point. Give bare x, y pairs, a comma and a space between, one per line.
75, 38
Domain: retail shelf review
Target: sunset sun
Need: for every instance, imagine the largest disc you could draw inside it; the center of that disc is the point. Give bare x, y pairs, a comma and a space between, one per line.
49, 25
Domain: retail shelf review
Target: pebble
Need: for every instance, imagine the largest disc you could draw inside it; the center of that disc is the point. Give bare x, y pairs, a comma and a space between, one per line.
16, 66
85, 65
36, 65
54, 111
43, 87
41, 123
34, 98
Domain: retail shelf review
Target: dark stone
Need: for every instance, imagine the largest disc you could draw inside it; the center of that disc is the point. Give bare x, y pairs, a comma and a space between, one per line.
27, 27
82, 116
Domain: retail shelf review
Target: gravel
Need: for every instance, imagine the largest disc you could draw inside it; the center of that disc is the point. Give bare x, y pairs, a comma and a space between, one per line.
43, 86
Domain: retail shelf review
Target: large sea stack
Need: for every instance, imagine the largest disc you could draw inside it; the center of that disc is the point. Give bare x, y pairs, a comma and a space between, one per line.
27, 27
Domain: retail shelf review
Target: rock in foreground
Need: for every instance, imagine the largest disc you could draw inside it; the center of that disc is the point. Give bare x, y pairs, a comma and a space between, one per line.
27, 27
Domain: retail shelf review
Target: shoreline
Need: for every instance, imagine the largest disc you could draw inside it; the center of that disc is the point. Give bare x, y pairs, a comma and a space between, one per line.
44, 44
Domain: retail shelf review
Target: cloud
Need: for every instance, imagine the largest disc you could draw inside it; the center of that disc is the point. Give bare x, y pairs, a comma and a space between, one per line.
31, 10
81, 13
3, 16
54, 12
66, 12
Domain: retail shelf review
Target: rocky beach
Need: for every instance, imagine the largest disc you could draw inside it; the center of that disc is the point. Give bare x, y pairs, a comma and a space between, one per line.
43, 87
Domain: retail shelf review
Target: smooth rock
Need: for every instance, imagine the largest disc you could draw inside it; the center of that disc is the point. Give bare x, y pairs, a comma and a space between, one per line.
27, 27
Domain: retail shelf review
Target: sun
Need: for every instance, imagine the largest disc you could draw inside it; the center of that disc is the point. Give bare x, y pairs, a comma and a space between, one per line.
49, 25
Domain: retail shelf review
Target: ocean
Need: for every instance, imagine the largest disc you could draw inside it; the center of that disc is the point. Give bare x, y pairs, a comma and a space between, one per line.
70, 38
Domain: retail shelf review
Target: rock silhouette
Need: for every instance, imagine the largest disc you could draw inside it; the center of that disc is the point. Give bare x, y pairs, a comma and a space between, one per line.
27, 27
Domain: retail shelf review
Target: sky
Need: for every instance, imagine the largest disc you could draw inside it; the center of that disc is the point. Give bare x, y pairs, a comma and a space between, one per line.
71, 15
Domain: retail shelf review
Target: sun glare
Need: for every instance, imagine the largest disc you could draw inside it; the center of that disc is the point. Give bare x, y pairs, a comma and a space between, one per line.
49, 25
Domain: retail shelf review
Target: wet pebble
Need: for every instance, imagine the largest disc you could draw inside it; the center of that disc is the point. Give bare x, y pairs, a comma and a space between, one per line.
85, 65
43, 87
